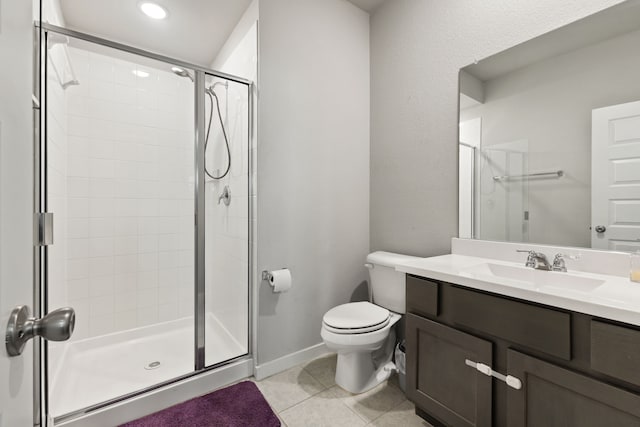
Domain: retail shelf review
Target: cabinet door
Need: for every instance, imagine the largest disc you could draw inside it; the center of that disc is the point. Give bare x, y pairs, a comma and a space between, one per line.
439, 381
553, 396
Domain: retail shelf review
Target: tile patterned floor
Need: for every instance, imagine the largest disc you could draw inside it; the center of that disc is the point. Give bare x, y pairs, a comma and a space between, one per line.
307, 396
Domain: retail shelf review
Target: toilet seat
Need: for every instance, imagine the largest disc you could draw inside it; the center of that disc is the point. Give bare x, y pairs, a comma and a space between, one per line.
356, 318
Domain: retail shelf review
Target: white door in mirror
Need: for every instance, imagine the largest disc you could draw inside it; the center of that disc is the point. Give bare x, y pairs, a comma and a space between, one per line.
615, 177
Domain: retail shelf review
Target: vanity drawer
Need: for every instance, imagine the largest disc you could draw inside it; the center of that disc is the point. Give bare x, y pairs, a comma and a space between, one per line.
538, 328
615, 351
422, 296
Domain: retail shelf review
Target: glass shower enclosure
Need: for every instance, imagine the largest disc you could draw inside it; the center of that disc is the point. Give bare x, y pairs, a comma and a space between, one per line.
144, 162
503, 192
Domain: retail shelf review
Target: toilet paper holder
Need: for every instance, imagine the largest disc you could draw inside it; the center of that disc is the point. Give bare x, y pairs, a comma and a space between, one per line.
276, 280
268, 275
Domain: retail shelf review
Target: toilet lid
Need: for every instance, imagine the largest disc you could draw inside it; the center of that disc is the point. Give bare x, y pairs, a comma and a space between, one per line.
356, 316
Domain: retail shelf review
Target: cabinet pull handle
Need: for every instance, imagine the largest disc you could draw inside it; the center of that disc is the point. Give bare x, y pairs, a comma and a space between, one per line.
511, 381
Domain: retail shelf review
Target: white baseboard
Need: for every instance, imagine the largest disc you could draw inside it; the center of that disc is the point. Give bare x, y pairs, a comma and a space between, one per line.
283, 363
164, 397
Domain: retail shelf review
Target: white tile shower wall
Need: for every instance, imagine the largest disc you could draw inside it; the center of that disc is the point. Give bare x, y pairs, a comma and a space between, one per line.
57, 176
130, 187
227, 229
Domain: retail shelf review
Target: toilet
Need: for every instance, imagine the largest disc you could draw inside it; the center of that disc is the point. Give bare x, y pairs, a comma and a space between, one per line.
362, 333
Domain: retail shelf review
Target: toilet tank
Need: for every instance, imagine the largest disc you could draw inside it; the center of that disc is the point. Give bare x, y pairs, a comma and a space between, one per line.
388, 286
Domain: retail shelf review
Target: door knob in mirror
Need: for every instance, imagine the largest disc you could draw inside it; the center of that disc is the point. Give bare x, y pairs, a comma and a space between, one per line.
55, 326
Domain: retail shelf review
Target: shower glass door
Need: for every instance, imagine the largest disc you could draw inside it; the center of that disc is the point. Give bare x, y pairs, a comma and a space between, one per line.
227, 195
504, 192
120, 181
146, 167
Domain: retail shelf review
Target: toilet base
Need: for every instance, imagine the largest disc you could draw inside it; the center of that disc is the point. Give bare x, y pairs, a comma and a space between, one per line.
357, 372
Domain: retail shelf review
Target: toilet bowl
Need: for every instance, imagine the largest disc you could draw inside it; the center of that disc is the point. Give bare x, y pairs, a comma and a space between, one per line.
363, 333
358, 368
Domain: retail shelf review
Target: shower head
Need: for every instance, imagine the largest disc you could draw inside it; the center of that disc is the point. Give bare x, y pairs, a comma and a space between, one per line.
223, 83
211, 89
181, 72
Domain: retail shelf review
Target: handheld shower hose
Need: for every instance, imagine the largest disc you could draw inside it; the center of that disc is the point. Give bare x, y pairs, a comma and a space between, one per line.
212, 97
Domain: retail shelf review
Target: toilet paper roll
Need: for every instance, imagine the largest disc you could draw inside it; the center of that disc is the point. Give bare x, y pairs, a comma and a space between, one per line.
280, 280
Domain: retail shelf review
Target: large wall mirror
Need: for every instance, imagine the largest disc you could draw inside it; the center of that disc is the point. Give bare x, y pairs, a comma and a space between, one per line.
550, 137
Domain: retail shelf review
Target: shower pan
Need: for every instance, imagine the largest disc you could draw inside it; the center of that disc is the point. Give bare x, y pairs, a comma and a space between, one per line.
136, 155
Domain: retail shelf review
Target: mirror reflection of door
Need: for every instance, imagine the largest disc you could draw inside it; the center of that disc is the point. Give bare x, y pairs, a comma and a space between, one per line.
615, 188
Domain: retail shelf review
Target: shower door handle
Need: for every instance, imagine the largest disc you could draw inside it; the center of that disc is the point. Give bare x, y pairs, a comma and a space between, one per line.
55, 326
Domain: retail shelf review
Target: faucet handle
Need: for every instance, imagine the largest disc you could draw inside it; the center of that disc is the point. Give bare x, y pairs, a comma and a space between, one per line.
531, 259
558, 261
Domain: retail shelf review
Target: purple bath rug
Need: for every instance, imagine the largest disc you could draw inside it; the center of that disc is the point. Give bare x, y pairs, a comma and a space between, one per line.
239, 405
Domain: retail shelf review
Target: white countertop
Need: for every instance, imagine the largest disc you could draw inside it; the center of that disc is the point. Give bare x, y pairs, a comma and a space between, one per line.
610, 297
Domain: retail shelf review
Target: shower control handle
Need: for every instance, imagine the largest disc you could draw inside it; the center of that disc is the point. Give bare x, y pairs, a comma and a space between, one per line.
55, 326
225, 197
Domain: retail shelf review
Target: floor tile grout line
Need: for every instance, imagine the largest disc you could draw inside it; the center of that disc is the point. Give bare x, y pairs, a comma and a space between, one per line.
390, 409
366, 420
303, 400
282, 422
320, 382
321, 387
342, 400
302, 368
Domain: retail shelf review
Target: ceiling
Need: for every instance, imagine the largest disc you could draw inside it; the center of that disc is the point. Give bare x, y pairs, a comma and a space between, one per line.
194, 30
609, 23
367, 5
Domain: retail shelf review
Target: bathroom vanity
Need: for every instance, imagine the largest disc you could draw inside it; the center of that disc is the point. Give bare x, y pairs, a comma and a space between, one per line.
494, 343
549, 152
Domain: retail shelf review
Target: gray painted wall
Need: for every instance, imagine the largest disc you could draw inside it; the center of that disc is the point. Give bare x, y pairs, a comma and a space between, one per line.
417, 48
313, 170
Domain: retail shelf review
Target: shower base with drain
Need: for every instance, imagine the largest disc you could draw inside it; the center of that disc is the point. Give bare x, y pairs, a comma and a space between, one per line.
95, 370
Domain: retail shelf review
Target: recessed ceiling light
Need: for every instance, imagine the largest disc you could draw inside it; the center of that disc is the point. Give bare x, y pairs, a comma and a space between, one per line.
153, 10
140, 73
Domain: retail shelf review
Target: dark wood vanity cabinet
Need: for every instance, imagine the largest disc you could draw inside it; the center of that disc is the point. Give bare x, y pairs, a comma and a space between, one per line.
574, 370
553, 396
440, 381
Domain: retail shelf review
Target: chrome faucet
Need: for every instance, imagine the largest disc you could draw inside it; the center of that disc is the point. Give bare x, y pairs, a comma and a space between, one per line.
558, 262
536, 260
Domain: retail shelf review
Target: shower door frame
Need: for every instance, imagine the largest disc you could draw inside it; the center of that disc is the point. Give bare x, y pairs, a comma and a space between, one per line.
40, 390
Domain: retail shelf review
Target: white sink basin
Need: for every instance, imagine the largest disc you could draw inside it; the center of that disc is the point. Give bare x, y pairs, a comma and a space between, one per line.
531, 278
